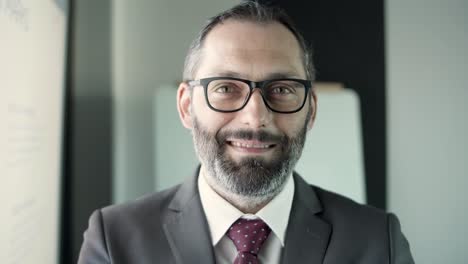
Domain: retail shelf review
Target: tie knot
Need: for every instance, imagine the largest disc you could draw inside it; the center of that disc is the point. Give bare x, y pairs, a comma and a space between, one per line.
249, 235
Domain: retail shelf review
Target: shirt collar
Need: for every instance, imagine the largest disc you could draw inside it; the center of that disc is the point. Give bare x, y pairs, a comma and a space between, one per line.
220, 214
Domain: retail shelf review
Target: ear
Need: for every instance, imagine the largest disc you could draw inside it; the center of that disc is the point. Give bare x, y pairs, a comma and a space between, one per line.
313, 113
184, 102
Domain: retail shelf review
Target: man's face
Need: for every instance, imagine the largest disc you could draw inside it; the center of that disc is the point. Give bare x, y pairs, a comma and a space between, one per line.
250, 152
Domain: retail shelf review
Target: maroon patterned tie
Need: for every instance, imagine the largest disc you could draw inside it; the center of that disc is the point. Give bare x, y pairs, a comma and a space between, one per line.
248, 236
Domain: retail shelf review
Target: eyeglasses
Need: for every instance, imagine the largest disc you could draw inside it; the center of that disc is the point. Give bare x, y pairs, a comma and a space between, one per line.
227, 94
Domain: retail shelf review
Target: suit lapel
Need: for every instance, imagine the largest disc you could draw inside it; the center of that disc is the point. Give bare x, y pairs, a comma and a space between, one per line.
307, 235
186, 228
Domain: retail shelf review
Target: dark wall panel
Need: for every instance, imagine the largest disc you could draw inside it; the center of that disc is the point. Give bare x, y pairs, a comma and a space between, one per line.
88, 162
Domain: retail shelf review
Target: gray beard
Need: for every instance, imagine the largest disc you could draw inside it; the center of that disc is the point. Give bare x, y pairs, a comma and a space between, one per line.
253, 178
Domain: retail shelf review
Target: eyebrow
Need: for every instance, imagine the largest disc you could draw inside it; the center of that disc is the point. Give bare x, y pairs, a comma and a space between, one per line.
271, 76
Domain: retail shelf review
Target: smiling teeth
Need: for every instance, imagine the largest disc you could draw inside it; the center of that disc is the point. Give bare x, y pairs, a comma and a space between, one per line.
238, 144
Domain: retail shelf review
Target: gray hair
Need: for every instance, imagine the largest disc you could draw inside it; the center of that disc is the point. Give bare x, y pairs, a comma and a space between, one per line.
247, 11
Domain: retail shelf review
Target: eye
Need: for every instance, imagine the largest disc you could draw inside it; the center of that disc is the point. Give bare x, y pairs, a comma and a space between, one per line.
281, 90
284, 88
224, 89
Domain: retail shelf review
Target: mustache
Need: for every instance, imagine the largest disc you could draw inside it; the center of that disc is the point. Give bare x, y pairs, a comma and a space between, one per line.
262, 136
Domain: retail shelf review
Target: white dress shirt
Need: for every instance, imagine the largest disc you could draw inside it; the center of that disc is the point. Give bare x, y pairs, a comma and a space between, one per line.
220, 215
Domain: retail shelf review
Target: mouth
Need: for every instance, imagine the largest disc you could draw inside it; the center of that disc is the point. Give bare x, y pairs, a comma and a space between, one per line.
251, 146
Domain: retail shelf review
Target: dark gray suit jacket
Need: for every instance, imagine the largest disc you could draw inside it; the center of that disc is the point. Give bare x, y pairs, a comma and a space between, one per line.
170, 227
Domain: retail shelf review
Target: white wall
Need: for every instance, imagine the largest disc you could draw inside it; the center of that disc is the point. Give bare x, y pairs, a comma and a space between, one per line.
150, 38
427, 56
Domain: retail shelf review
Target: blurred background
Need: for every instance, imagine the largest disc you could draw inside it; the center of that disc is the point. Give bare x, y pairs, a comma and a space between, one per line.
108, 124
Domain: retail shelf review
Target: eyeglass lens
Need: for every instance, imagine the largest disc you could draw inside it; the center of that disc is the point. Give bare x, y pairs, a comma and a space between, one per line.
230, 95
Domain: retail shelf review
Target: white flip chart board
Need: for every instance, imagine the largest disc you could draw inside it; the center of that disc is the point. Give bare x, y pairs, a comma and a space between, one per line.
333, 154
332, 157
32, 70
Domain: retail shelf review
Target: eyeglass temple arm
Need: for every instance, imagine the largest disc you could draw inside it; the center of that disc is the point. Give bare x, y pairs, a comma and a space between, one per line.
193, 83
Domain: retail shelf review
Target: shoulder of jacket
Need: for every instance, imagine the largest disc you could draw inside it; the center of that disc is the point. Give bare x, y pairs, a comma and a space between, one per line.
155, 202
334, 203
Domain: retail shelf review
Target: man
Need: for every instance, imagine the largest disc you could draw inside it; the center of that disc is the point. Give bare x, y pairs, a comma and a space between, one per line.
248, 100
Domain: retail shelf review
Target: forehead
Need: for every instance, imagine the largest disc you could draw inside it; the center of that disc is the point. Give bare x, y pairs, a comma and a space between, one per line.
251, 50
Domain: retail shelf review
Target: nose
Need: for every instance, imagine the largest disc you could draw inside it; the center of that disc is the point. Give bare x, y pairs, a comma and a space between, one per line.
255, 114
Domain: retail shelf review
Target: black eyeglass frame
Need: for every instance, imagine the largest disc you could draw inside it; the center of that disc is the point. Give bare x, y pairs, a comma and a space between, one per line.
252, 85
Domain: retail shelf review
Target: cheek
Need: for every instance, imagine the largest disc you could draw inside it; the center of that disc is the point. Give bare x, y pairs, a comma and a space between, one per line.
199, 108
290, 125
210, 120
